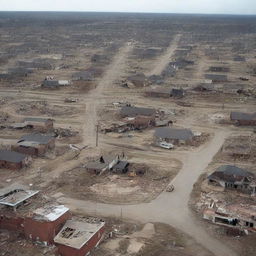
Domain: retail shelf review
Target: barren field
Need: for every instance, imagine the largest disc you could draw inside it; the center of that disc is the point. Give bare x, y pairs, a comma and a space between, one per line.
113, 60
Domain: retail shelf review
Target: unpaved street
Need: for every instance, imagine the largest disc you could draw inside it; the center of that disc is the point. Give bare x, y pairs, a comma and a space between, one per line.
170, 208
163, 60
113, 72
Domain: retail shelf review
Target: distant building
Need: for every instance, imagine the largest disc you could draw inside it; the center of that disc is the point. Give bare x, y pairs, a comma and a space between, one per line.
219, 69
216, 78
232, 177
13, 160
129, 111
35, 144
78, 238
240, 216
174, 135
39, 124
241, 118
138, 80
54, 84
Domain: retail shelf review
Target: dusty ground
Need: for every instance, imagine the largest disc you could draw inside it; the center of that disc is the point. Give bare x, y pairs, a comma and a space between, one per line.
117, 188
212, 44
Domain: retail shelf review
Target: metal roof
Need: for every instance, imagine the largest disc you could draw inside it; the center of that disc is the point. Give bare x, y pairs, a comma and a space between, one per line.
16, 197
173, 133
11, 156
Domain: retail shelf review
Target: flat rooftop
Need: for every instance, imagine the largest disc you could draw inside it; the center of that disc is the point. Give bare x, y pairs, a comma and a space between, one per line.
16, 196
76, 234
50, 212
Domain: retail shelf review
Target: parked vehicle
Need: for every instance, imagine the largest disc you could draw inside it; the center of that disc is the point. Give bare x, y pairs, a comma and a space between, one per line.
166, 145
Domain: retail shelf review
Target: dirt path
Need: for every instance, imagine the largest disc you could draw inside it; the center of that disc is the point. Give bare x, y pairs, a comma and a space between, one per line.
164, 59
113, 72
170, 208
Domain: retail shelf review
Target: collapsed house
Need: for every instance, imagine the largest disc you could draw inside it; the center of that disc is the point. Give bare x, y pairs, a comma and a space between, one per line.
78, 238
240, 148
174, 135
156, 79
83, 76
42, 221
112, 163
213, 78
180, 63
232, 177
88, 74
137, 80
239, 216
13, 160
15, 73
204, 87
35, 144
241, 118
39, 124
36, 123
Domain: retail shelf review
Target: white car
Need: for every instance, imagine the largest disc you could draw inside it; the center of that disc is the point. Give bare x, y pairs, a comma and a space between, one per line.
166, 145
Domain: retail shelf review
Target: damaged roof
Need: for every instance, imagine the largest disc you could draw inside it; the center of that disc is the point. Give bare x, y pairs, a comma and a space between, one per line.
230, 173
173, 133
242, 116
76, 234
11, 156
136, 111
50, 212
15, 197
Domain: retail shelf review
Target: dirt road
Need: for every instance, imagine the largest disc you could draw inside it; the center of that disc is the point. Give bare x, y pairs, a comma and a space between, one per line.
170, 208
113, 72
164, 59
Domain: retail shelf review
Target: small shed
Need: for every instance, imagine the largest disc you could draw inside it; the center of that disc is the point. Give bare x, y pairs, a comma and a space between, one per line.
13, 160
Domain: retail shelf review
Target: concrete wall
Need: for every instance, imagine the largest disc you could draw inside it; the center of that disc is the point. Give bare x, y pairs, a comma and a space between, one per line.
11, 166
44, 231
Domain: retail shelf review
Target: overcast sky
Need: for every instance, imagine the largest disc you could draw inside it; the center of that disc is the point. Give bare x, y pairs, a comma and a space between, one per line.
169, 6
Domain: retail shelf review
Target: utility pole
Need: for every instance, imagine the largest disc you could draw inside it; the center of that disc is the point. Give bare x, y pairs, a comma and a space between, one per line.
97, 135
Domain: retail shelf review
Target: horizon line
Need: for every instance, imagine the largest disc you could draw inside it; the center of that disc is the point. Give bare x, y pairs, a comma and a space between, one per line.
131, 12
